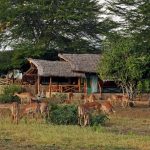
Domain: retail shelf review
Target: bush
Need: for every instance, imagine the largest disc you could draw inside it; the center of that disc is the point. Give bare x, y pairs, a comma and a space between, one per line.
8, 93
63, 114
68, 115
99, 119
143, 86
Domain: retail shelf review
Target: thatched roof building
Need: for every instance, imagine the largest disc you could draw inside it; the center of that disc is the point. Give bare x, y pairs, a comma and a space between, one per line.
73, 72
82, 62
54, 68
71, 65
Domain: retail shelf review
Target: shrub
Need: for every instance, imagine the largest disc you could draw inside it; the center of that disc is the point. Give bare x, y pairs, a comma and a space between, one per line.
63, 114
147, 86
143, 86
8, 93
67, 115
99, 119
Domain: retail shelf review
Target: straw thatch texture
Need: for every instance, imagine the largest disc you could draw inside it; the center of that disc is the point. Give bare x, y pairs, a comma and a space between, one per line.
54, 68
82, 62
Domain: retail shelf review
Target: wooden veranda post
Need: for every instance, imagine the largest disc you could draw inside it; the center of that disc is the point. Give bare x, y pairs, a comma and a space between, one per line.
85, 87
100, 84
38, 81
50, 87
79, 84
100, 90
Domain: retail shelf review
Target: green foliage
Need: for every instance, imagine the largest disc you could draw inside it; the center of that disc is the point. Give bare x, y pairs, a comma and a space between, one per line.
119, 61
63, 115
38, 27
68, 115
124, 63
11, 89
5, 61
8, 93
99, 119
140, 86
144, 86
23, 51
135, 24
136, 15
147, 86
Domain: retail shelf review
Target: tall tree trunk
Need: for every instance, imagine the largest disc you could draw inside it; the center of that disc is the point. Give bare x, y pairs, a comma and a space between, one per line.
131, 91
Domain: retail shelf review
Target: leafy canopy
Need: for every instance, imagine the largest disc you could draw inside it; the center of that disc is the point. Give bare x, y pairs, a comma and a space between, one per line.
5, 61
136, 19
123, 62
126, 55
41, 28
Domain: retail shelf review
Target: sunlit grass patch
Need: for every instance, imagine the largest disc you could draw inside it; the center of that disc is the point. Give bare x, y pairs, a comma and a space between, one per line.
70, 137
121, 132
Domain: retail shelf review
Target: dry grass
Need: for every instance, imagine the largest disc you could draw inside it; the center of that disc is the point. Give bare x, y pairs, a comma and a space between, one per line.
128, 130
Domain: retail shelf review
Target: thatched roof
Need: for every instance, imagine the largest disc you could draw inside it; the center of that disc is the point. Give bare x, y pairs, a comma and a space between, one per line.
82, 62
54, 68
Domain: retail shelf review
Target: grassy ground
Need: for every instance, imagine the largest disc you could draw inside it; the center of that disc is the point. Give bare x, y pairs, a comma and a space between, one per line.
129, 129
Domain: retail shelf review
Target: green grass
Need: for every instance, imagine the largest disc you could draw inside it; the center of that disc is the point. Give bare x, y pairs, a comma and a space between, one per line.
43, 136
120, 133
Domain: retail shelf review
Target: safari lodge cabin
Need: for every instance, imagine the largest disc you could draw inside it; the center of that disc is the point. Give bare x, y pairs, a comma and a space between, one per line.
72, 73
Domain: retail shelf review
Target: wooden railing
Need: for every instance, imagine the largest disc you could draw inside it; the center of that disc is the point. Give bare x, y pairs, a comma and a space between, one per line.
64, 88
54, 88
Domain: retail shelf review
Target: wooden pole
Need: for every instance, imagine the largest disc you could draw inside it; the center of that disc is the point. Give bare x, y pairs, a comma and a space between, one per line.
61, 88
100, 89
38, 81
85, 87
79, 84
50, 87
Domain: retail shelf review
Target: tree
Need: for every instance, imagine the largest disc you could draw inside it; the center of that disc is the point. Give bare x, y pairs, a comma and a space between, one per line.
136, 20
70, 26
5, 61
122, 62
130, 56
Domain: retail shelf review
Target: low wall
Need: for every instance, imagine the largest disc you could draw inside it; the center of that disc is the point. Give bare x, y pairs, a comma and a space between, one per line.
77, 96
